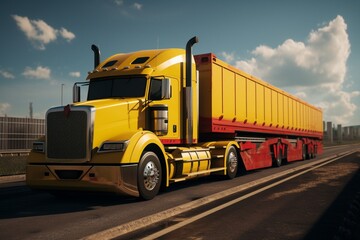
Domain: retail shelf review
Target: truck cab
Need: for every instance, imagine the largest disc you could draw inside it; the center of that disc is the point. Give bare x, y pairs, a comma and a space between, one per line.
116, 138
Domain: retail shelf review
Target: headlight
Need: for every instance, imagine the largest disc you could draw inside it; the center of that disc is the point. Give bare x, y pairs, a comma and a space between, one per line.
113, 147
38, 147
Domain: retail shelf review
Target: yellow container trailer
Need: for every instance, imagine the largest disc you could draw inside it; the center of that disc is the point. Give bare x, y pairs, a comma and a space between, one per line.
232, 100
236, 105
155, 117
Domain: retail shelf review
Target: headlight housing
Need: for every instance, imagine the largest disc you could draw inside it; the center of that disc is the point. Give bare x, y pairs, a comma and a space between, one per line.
113, 147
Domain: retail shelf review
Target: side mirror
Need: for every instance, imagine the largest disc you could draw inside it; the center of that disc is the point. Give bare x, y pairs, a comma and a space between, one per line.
165, 89
76, 93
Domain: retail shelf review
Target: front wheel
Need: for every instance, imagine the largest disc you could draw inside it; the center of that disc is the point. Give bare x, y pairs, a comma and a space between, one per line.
149, 175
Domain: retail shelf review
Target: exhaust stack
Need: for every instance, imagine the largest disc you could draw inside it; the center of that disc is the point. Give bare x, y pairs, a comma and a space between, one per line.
188, 113
96, 51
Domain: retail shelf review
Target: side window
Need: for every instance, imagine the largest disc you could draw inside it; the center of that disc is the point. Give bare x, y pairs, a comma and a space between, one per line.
155, 89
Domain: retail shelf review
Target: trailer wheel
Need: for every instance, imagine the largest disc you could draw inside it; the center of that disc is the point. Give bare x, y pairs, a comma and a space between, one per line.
315, 152
149, 176
310, 154
304, 152
278, 159
231, 163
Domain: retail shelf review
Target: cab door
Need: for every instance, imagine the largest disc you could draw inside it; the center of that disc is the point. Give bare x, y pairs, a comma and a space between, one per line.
164, 109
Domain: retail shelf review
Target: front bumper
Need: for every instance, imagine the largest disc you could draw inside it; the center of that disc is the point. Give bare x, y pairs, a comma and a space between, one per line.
116, 179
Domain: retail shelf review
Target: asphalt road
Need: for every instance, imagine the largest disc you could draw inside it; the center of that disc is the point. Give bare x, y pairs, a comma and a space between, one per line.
310, 206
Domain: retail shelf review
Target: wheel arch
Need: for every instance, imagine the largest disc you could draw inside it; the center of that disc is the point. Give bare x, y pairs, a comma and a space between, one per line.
147, 141
226, 146
164, 170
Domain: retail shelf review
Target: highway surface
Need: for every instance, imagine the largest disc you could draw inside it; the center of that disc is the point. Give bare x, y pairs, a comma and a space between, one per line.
312, 199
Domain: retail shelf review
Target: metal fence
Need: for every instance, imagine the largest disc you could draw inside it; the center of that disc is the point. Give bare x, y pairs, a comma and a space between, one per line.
20, 133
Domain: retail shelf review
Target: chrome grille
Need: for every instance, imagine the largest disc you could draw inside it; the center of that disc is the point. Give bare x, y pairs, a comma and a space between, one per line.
68, 135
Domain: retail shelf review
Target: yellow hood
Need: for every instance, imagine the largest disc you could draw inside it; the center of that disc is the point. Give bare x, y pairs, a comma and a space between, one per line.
116, 119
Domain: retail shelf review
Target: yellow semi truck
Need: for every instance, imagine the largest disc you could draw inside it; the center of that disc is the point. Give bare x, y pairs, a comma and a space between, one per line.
155, 117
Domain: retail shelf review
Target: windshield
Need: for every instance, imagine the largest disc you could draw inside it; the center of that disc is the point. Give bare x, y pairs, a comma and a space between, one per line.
124, 87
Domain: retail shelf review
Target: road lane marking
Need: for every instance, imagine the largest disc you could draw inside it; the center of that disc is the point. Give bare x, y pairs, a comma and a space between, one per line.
12, 178
230, 203
132, 226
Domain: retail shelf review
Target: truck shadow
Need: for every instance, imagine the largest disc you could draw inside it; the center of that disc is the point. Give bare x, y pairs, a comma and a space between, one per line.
21, 201
26, 202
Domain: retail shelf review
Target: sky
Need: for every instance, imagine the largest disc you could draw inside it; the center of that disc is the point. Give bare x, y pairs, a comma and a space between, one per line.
308, 48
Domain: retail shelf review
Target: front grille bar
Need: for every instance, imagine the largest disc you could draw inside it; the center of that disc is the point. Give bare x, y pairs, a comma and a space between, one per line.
69, 134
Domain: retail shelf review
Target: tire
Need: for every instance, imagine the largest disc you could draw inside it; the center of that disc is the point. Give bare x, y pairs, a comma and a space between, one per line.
310, 155
315, 152
232, 163
304, 152
149, 175
278, 160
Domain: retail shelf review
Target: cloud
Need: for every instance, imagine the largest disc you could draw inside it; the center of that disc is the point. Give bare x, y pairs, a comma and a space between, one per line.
137, 6
66, 34
40, 33
38, 73
75, 74
314, 69
119, 2
6, 74
127, 9
229, 57
338, 106
302, 95
3, 108
321, 60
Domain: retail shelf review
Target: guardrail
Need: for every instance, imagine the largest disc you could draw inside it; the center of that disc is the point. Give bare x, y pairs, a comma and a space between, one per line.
15, 152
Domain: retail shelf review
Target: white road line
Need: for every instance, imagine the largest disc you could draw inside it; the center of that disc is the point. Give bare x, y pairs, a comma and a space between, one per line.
125, 228
12, 178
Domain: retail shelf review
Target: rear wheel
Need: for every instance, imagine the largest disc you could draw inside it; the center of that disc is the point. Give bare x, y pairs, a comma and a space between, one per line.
312, 152
278, 159
315, 151
310, 155
304, 152
149, 175
231, 163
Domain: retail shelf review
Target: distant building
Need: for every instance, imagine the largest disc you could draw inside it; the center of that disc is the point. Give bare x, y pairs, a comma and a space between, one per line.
340, 133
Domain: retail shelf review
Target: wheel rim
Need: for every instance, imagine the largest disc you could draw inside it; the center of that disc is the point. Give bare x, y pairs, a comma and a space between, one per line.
232, 162
151, 176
